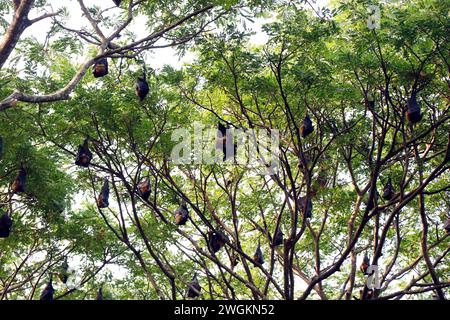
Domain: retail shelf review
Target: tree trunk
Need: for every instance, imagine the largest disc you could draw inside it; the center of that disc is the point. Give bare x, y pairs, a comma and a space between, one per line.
18, 25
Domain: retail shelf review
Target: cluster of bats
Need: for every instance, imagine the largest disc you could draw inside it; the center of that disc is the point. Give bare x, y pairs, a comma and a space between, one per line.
49, 291
100, 69
216, 239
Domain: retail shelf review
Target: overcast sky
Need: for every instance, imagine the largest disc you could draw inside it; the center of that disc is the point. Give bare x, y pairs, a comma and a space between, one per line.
157, 58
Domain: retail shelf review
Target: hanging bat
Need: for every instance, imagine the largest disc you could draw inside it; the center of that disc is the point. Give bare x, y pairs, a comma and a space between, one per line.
117, 2
301, 166
47, 293
388, 191
194, 288
84, 155
365, 265
100, 294
447, 226
221, 139
224, 142
234, 260
322, 179
307, 127
278, 238
100, 68
64, 275
258, 256
103, 197
306, 204
368, 296
413, 113
371, 203
18, 185
5, 225
144, 189
181, 214
142, 88
216, 240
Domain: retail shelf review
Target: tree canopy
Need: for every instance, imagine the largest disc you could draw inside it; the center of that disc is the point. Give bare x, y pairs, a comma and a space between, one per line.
360, 180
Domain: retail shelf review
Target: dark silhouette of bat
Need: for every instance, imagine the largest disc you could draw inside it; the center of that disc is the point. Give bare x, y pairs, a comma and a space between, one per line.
447, 226
194, 288
224, 141
306, 204
216, 240
367, 296
100, 294
142, 88
100, 68
388, 191
5, 225
84, 155
371, 203
144, 189
47, 293
18, 185
63, 275
234, 259
258, 256
413, 113
371, 104
103, 197
307, 127
365, 264
277, 239
181, 214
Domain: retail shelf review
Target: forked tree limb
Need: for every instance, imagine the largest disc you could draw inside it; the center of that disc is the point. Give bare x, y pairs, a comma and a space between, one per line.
18, 25
64, 93
20, 22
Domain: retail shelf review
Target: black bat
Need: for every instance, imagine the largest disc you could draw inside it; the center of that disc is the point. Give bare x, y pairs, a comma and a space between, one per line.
47, 293
103, 197
144, 189
388, 191
216, 240
63, 275
224, 141
447, 226
304, 202
194, 288
307, 127
84, 155
142, 88
19, 183
258, 256
100, 294
181, 214
5, 225
413, 113
365, 264
277, 239
100, 68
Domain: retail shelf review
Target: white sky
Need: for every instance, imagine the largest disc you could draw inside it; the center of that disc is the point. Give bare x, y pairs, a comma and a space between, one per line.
157, 58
